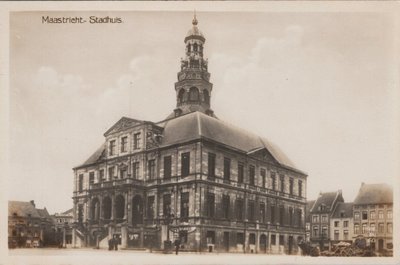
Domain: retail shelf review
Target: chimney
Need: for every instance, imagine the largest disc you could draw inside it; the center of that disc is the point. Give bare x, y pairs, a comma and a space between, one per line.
33, 203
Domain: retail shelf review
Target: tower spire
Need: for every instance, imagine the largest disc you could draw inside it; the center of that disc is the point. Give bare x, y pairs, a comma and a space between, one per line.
193, 89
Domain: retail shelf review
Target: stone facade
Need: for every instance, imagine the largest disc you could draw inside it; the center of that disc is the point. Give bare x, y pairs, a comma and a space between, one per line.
190, 177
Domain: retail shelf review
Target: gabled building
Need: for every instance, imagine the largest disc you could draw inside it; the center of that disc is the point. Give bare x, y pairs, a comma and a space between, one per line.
63, 223
320, 214
373, 215
191, 177
341, 223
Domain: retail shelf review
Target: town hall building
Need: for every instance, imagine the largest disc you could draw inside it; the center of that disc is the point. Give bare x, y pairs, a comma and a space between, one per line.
191, 177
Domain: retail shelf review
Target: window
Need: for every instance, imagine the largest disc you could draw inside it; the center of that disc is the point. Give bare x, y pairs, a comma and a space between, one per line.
263, 177
324, 231
282, 178
281, 215
124, 144
91, 178
272, 214
152, 168
240, 173
123, 172
211, 166
210, 237
135, 170
365, 215
225, 206
111, 173
193, 94
185, 206
315, 231
252, 175
346, 234
80, 182
356, 229
250, 211
227, 168
372, 227
356, 216
166, 205
281, 240
273, 239
324, 218
167, 167
240, 238
239, 209
389, 214
336, 223
390, 228
315, 219
210, 204
111, 147
101, 174
299, 218
300, 187
364, 228
381, 228
80, 213
150, 207
273, 180
252, 239
185, 164
136, 141
262, 212
372, 215
345, 223
291, 186
380, 215
336, 235
290, 216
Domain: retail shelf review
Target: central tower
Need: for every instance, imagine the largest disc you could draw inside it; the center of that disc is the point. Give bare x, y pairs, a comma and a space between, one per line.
193, 89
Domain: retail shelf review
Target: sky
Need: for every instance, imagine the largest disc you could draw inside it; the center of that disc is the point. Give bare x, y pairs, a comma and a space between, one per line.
322, 86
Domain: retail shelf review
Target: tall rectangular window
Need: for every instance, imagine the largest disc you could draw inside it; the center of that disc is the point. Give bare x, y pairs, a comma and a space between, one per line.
356, 229
152, 168
390, 228
299, 217
389, 214
240, 173
290, 216
166, 205
135, 170
111, 147
273, 181
300, 186
273, 214
227, 168
211, 166
136, 141
372, 215
380, 215
185, 206
364, 228
80, 213
240, 238
365, 215
325, 231
123, 172
185, 164
239, 209
381, 228
345, 223
80, 182
282, 178
281, 240
315, 231
263, 177
291, 186
262, 212
273, 239
210, 204
101, 174
346, 234
356, 216
91, 178
281, 214
225, 206
111, 173
336, 235
250, 211
167, 166
252, 173
124, 144
150, 207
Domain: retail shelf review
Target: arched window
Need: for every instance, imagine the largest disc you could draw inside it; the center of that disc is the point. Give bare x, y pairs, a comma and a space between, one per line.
107, 208
195, 47
188, 47
120, 208
193, 94
95, 209
206, 96
181, 95
137, 210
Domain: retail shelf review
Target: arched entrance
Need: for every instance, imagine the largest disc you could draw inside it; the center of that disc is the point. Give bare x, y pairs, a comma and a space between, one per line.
137, 210
263, 243
107, 208
95, 210
119, 208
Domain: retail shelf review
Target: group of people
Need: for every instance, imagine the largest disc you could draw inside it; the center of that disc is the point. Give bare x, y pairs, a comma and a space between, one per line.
113, 243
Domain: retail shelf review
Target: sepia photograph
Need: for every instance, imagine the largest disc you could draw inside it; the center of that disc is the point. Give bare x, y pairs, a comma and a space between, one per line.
200, 133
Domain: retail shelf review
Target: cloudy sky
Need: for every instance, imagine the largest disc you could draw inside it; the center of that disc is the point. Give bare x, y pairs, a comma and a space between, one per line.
323, 86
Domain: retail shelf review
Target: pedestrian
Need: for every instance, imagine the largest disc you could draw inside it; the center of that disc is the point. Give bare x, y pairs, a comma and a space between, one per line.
115, 243
177, 245
110, 243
